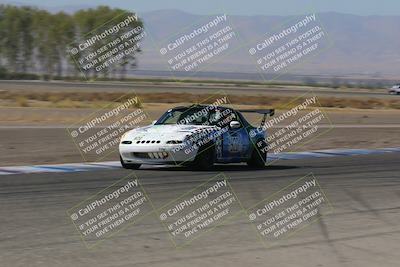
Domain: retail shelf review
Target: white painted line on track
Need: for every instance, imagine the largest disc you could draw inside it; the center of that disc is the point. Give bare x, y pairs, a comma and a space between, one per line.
94, 166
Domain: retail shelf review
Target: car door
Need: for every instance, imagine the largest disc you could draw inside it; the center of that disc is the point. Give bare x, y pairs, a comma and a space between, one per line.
235, 144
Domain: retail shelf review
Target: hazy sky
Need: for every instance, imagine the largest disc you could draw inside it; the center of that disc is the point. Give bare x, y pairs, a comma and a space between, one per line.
249, 7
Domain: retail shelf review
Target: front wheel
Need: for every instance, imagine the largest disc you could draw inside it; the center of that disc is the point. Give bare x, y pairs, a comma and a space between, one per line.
129, 166
204, 159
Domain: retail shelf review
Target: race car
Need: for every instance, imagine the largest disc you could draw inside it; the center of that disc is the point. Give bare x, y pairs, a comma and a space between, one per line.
395, 89
197, 136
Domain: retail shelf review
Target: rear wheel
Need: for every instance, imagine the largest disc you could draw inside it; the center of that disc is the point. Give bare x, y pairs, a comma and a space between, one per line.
130, 166
258, 157
204, 159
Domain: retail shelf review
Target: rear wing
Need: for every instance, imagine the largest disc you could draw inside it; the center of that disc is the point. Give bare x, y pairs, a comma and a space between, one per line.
269, 112
265, 112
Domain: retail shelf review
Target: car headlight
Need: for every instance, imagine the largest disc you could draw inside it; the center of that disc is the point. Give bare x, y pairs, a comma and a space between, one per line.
125, 142
174, 142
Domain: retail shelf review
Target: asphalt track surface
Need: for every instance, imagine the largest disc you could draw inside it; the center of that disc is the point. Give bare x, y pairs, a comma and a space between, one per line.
362, 230
143, 87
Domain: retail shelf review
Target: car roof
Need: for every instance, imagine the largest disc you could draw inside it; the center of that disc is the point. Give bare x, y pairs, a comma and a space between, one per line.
242, 118
198, 106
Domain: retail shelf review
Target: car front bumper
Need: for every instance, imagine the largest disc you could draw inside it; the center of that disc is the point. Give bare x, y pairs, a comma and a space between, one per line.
155, 154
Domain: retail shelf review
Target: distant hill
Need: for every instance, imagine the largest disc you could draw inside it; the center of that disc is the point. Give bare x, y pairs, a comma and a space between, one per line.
360, 45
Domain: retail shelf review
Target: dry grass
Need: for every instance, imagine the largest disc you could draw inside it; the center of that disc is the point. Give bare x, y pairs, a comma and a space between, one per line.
97, 99
21, 101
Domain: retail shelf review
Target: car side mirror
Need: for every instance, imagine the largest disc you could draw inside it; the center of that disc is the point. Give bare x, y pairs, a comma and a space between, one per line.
234, 125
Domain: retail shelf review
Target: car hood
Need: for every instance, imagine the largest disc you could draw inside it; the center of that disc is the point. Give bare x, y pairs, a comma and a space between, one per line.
164, 132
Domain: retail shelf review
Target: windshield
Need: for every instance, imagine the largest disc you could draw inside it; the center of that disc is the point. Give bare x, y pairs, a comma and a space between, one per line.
196, 116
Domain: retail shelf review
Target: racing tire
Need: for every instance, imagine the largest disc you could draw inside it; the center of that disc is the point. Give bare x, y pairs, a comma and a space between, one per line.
130, 166
258, 158
204, 159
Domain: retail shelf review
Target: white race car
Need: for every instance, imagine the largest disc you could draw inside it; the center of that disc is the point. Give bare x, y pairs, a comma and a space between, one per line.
395, 89
197, 136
